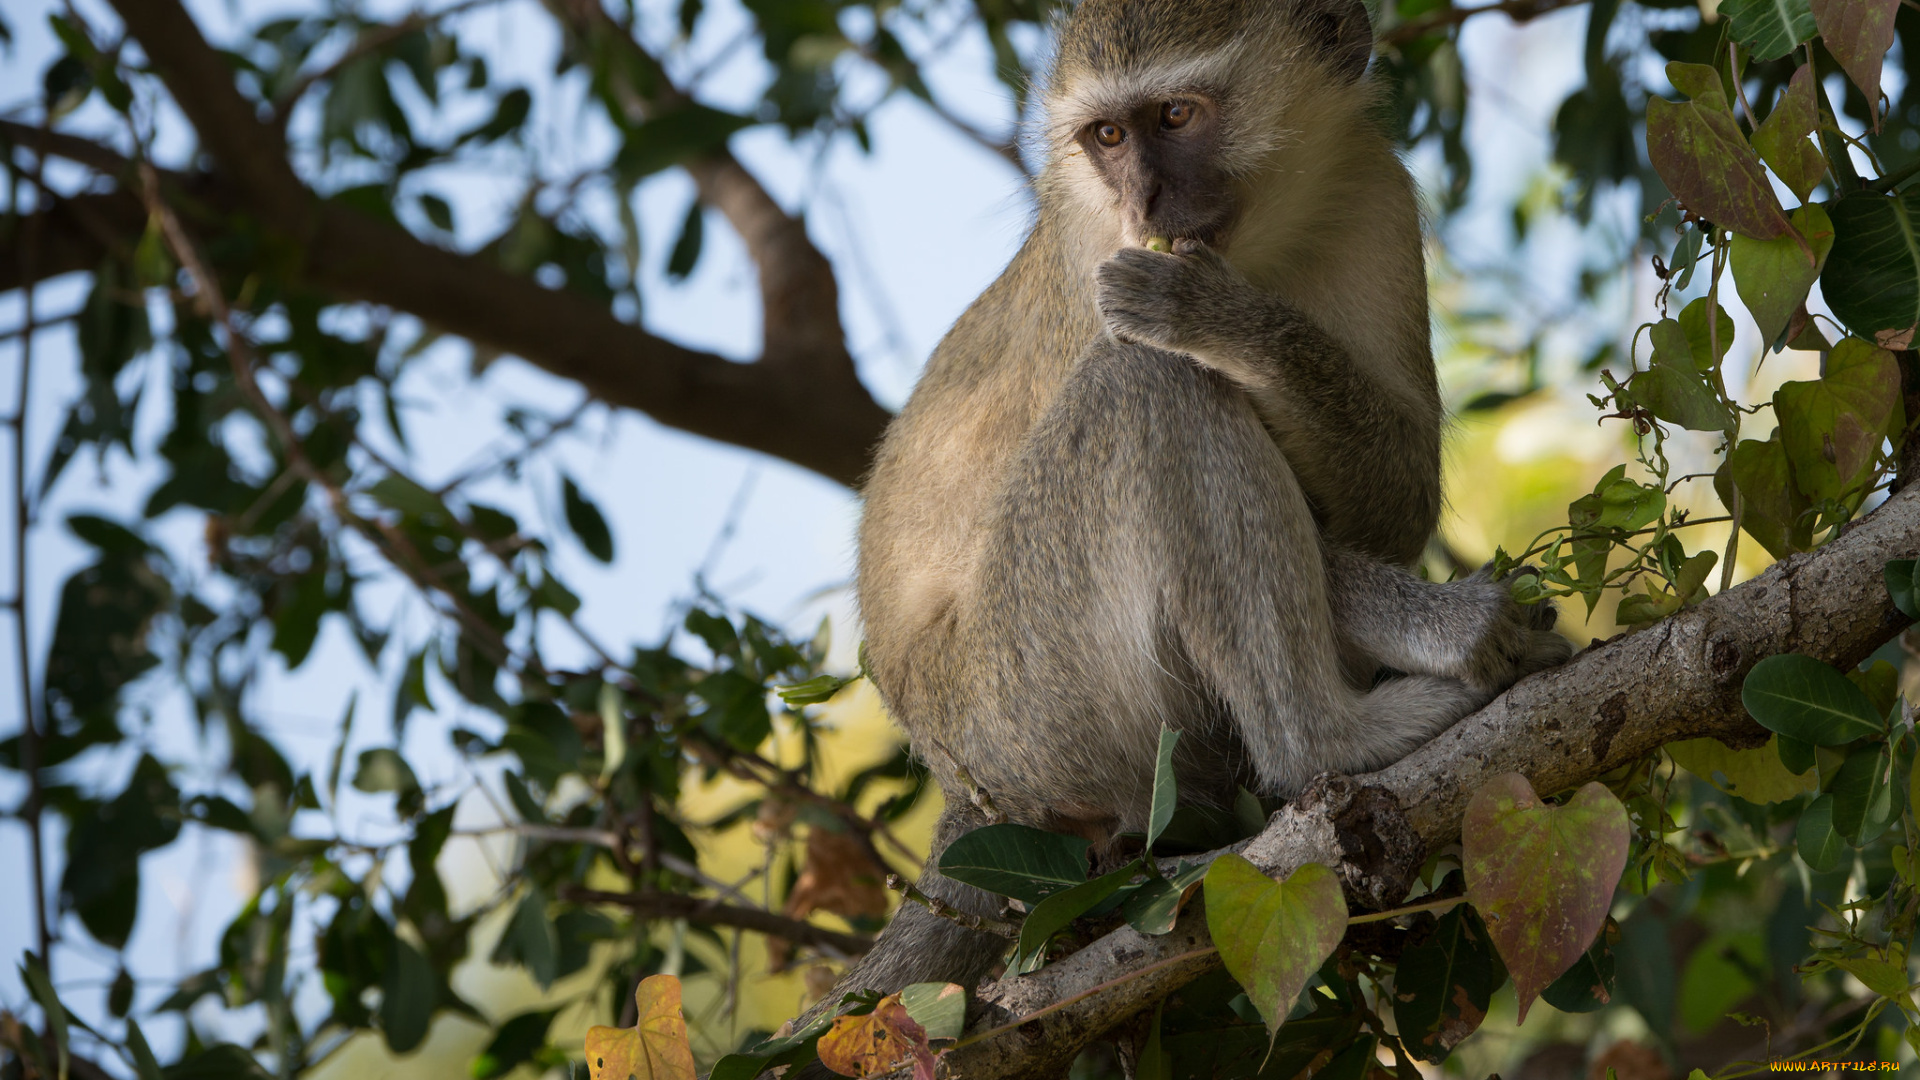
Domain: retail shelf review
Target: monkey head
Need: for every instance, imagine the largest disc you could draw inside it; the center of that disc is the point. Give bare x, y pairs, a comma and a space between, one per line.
1192, 119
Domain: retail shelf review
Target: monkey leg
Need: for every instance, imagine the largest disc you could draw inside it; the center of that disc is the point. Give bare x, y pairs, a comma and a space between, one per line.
1471, 629
1153, 560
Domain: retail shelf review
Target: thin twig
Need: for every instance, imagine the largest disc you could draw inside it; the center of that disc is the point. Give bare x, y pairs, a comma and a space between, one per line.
944, 910
370, 40
664, 905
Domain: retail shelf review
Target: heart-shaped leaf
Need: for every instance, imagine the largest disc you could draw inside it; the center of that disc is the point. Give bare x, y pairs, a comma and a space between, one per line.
1772, 508
1015, 860
1804, 699
1542, 876
1784, 137
1697, 148
1832, 426
1774, 276
655, 1048
1770, 29
1273, 935
1858, 33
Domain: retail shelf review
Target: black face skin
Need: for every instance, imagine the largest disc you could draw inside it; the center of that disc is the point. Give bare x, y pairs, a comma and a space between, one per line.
1160, 160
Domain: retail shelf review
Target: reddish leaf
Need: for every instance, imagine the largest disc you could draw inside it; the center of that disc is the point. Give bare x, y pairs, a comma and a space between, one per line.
1784, 138
1542, 876
877, 1043
1697, 148
1858, 33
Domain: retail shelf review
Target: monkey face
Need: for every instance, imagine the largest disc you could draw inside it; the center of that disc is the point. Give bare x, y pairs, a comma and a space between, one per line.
1160, 161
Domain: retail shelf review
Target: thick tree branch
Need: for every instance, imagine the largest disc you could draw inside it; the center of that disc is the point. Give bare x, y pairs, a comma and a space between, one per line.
663, 905
1610, 705
802, 401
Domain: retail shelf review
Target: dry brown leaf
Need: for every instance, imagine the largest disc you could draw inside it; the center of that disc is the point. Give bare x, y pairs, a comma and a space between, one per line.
877, 1043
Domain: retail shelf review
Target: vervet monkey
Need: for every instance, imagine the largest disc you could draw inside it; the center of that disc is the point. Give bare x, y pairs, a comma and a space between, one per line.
1178, 486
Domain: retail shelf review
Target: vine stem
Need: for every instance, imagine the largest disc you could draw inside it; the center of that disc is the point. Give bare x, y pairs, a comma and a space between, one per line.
30, 743
1410, 909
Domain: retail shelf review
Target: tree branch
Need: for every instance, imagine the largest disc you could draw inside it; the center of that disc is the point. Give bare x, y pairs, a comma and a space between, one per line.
662, 905
802, 401
1611, 705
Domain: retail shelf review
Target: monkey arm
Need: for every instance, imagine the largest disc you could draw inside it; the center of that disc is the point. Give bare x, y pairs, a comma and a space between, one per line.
1366, 453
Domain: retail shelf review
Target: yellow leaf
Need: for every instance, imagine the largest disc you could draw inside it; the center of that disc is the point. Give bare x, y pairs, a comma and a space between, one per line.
877, 1043
655, 1048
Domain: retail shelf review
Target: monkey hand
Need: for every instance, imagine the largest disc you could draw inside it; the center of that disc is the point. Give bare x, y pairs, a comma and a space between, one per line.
1168, 301
1513, 640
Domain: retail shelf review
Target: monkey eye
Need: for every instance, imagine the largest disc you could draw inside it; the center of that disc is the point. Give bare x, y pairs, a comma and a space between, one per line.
1109, 134
1176, 114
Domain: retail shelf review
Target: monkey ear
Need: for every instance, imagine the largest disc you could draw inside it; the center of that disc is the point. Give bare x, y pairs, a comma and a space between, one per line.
1341, 31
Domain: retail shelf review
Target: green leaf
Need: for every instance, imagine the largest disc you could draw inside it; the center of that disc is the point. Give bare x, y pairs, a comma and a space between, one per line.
1903, 584
1053, 914
1587, 986
1155, 906
1273, 935
1866, 797
509, 115
1820, 845
514, 1044
439, 213
1858, 33
33, 972
1805, 699
530, 941
1774, 276
1165, 790
408, 995
815, 691
1542, 876
1796, 755
1698, 150
1872, 278
396, 492
145, 1065
1017, 861
1772, 508
1784, 137
1756, 775
1706, 348
1443, 985
586, 522
1717, 978
383, 769
1832, 427
1617, 503
940, 1008
686, 249
672, 137
1770, 29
